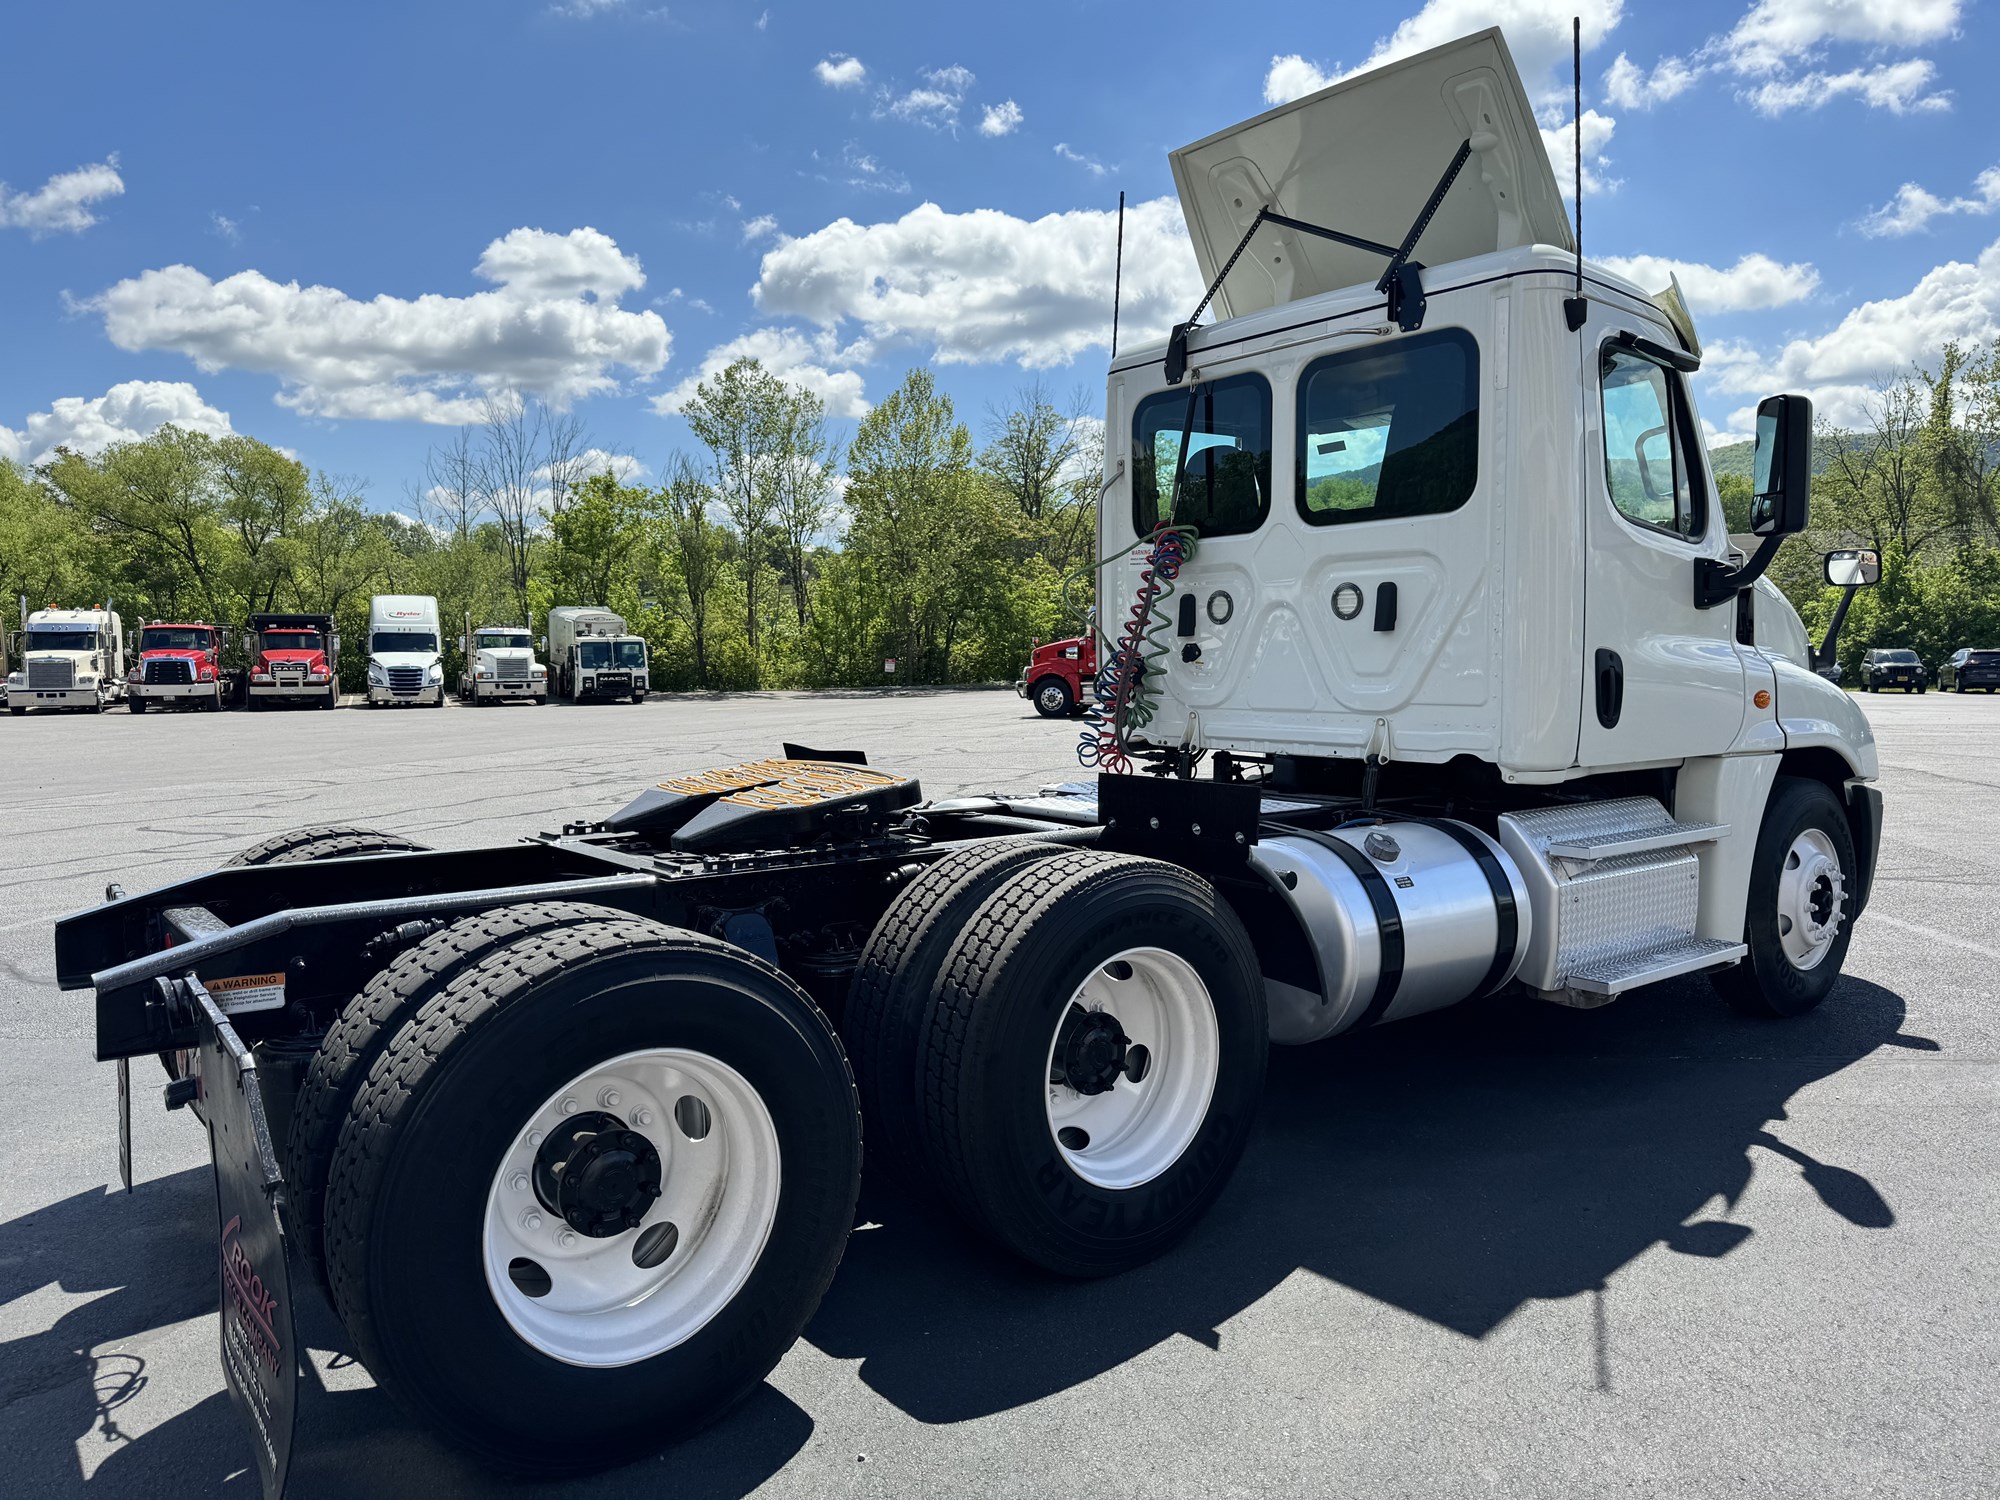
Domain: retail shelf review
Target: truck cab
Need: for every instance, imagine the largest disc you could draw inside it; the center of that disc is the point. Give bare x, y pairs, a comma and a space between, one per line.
500, 664
405, 664
595, 656
178, 664
294, 658
1059, 676
1448, 526
67, 658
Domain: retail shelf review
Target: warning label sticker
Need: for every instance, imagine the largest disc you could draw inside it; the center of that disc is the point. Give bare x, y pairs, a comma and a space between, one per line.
247, 992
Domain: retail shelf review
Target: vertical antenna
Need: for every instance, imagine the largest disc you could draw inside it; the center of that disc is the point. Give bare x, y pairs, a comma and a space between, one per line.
1575, 309
1118, 275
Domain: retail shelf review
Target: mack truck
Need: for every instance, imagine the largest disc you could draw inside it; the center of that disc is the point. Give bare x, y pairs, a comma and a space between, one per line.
67, 658
294, 658
595, 656
500, 664
179, 664
1428, 675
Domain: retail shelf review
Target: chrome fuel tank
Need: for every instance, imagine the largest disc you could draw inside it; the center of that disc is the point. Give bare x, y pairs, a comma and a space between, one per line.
1403, 917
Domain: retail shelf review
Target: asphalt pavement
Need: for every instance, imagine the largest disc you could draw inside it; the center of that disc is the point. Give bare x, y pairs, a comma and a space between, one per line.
1507, 1249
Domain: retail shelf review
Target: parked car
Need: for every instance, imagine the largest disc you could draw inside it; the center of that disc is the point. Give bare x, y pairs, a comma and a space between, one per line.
1893, 667
1970, 667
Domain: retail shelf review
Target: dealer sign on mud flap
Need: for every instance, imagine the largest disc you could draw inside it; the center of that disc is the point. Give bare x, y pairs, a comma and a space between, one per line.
247, 992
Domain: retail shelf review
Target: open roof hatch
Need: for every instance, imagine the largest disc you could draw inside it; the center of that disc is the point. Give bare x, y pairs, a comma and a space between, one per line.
1363, 157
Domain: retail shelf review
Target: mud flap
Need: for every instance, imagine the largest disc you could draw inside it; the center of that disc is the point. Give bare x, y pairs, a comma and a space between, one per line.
259, 1357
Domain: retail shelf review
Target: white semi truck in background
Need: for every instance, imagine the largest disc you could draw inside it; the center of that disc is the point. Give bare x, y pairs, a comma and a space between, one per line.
500, 664
67, 658
405, 662
595, 656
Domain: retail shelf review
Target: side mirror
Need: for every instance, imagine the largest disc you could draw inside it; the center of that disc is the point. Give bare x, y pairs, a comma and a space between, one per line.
1854, 569
1783, 466
542, 644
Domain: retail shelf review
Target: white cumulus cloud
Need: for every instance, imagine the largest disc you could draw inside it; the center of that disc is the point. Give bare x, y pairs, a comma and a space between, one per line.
1629, 86
797, 358
1561, 144
1772, 33
129, 411
1755, 281
1537, 32
1899, 88
551, 327
757, 228
1914, 206
62, 204
986, 286
1003, 118
840, 71
1839, 368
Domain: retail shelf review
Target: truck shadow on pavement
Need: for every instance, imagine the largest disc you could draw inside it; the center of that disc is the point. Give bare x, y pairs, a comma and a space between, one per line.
1456, 1166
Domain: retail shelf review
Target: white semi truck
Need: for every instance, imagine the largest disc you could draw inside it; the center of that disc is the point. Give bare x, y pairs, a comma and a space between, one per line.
67, 658
405, 662
1441, 683
500, 664
595, 656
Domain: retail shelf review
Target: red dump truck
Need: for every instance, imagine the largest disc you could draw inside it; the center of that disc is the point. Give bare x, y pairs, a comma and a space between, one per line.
294, 659
1059, 676
178, 664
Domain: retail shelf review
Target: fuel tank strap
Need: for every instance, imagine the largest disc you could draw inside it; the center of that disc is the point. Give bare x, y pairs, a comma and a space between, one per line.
1388, 918
1508, 916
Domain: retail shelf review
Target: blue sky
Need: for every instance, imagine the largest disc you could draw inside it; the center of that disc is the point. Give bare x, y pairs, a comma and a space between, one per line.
339, 228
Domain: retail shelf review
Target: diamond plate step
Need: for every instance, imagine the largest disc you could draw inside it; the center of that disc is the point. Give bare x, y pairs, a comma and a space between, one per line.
1649, 966
1641, 840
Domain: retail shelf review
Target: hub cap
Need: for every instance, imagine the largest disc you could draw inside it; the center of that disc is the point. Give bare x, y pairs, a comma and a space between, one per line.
1132, 1067
1052, 698
631, 1207
1811, 889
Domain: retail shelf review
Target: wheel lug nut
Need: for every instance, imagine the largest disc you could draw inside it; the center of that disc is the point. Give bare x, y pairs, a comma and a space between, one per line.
569, 1106
534, 1138
531, 1221
520, 1182
565, 1240
642, 1117
609, 1098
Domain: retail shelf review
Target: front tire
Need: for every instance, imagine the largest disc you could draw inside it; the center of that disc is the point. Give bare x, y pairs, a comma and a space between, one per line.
1093, 1060
1800, 917
135, 705
1053, 698
718, 1067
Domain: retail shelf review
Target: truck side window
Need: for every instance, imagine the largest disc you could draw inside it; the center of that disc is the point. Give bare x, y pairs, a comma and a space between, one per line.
1225, 487
1389, 431
1646, 435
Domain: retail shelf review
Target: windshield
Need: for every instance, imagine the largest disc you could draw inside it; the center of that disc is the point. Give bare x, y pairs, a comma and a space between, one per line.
500, 640
291, 640
43, 639
593, 653
1901, 657
632, 654
174, 638
404, 640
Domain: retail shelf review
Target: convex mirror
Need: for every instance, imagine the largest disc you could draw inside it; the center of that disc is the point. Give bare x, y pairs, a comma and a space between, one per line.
1854, 568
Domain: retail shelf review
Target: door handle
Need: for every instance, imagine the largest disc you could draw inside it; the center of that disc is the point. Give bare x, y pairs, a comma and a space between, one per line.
1610, 687
1187, 615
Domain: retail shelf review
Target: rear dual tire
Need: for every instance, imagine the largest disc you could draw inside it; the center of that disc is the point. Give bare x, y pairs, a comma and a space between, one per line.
1087, 1034
428, 1148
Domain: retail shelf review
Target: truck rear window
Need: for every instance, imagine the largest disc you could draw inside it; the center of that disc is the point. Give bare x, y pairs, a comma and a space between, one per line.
1225, 485
1389, 431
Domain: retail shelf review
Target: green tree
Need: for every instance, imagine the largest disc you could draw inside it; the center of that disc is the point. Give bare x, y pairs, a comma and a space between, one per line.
738, 414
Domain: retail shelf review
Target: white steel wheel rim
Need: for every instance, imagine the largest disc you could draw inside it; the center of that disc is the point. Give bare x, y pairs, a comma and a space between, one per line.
719, 1190
1811, 891
1137, 1130
1051, 696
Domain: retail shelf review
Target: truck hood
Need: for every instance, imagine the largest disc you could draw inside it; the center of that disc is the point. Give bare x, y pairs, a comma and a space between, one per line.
504, 653
163, 653
1362, 157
